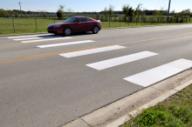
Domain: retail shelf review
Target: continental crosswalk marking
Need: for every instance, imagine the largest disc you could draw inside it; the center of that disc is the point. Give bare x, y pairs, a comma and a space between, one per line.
65, 44
102, 65
37, 38
45, 39
29, 36
92, 51
160, 73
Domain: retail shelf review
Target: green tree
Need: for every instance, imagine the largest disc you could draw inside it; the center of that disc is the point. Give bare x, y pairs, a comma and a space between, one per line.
108, 12
125, 10
159, 15
138, 12
60, 12
186, 12
128, 12
3, 13
186, 15
105, 13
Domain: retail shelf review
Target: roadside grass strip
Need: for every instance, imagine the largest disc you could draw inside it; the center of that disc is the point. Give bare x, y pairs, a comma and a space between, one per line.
91, 51
65, 44
102, 65
160, 73
46, 39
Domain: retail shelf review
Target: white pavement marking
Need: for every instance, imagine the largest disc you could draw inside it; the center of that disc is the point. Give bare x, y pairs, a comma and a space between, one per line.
160, 73
46, 39
27, 36
92, 51
65, 44
121, 60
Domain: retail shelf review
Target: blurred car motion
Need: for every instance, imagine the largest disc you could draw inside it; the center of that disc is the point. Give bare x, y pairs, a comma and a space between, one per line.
75, 24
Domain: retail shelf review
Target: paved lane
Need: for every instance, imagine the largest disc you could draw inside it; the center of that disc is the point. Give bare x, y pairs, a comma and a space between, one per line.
54, 85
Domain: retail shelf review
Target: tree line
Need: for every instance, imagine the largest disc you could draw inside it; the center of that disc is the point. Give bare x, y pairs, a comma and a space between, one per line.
18, 13
130, 14
127, 14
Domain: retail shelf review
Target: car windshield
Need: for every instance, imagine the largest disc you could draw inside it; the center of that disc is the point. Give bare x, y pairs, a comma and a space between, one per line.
70, 20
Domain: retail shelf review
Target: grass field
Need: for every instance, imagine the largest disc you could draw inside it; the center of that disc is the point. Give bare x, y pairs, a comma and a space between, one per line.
32, 25
174, 112
23, 25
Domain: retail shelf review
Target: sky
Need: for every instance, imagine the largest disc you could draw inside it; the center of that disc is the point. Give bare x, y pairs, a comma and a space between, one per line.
92, 5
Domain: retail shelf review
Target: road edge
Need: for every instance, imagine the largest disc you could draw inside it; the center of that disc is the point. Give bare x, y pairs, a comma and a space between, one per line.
112, 28
121, 111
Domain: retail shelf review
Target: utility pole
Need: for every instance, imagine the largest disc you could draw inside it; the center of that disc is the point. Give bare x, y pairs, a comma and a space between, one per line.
168, 11
20, 5
169, 7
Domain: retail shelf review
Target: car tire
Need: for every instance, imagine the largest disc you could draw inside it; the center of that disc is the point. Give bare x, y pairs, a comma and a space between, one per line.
67, 31
95, 29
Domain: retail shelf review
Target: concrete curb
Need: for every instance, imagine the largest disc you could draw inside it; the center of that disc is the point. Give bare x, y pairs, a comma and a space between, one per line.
117, 113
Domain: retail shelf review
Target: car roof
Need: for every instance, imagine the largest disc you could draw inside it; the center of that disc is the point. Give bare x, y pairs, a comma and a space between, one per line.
80, 17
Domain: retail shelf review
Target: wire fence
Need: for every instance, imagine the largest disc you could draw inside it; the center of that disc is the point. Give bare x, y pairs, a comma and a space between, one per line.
36, 24
24, 25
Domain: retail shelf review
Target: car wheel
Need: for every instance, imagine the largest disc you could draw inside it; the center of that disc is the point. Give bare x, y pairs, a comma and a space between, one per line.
67, 31
95, 30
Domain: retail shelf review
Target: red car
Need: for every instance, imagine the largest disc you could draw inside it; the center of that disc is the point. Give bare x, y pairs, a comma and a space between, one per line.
75, 24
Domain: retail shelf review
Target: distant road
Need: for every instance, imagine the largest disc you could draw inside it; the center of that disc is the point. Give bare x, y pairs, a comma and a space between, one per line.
47, 80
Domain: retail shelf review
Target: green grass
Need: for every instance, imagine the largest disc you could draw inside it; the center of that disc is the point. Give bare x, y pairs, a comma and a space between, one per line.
125, 24
27, 25
23, 25
174, 112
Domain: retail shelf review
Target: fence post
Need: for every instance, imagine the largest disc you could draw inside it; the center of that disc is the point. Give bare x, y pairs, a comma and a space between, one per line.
36, 27
128, 19
13, 24
120, 21
109, 20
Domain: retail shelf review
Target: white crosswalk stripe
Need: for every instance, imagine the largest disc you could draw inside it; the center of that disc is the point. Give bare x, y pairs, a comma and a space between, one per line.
46, 39
65, 44
92, 51
29, 36
102, 65
160, 73
37, 38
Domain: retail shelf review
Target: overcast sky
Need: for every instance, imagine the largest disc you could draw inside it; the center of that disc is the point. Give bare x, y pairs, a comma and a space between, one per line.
92, 5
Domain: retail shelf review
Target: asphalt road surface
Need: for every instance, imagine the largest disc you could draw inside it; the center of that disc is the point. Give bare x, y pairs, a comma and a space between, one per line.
47, 80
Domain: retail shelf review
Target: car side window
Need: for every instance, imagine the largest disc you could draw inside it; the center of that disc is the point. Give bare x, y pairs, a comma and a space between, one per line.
71, 20
75, 20
83, 20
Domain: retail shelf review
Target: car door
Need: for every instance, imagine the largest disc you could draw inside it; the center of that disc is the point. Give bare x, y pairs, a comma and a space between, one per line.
75, 26
84, 24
